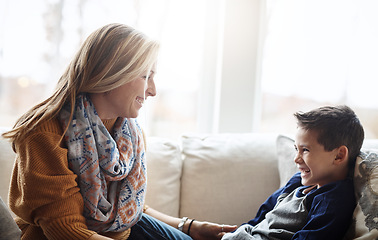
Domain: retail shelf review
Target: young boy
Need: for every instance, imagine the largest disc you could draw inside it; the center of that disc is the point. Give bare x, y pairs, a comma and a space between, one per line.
318, 201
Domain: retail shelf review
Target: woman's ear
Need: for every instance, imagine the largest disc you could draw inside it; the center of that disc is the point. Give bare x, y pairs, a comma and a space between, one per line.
341, 155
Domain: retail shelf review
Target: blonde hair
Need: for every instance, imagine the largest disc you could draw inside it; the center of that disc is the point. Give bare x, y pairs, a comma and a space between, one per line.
110, 57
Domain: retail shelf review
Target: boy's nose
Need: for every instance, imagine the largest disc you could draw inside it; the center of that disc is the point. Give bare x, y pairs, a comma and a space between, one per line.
298, 158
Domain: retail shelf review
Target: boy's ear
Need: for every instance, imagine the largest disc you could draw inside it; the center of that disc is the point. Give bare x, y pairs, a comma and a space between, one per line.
341, 155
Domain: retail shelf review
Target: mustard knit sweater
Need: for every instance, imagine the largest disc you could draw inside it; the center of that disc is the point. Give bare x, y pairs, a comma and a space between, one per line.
44, 193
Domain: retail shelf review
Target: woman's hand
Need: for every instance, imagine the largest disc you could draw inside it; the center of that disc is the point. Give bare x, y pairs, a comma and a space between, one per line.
198, 230
208, 231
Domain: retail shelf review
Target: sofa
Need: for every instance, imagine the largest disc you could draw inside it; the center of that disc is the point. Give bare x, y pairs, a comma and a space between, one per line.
225, 177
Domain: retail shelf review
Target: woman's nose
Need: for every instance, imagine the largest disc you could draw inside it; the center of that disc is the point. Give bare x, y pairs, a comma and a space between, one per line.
151, 89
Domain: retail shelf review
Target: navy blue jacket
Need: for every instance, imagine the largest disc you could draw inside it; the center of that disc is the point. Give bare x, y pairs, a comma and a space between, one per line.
330, 208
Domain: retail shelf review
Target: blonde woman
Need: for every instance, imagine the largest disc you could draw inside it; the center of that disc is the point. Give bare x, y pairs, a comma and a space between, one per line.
80, 171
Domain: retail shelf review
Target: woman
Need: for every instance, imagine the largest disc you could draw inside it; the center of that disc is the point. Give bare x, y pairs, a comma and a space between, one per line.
80, 170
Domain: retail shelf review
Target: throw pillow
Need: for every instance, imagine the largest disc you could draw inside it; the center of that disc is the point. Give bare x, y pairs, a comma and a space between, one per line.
227, 176
285, 153
365, 217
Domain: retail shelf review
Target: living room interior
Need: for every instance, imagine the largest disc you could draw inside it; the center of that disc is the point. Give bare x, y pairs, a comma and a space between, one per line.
231, 74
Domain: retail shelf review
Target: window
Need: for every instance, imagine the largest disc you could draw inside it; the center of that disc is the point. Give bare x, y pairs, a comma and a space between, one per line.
319, 53
225, 66
36, 46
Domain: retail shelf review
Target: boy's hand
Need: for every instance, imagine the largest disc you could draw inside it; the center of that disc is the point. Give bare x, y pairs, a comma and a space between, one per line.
208, 231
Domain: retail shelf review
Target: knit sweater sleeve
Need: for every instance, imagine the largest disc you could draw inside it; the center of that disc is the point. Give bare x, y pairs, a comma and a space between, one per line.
43, 192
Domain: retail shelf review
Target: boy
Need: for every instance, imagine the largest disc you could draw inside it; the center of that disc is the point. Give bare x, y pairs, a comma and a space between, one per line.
318, 201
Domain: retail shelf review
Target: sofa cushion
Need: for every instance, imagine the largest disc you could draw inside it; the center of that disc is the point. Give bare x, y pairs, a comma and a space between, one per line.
164, 166
365, 217
226, 177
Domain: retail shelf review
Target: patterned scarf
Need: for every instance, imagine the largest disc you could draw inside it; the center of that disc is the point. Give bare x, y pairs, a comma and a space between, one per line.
111, 168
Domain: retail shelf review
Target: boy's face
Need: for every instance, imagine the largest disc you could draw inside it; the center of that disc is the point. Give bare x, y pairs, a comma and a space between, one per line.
315, 164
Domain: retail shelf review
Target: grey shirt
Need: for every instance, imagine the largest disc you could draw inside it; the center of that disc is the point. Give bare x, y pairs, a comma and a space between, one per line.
287, 217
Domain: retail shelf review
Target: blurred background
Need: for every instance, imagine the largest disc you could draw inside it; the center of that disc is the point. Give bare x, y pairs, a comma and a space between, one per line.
225, 65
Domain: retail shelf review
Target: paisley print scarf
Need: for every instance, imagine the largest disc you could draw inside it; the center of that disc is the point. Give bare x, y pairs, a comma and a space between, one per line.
111, 167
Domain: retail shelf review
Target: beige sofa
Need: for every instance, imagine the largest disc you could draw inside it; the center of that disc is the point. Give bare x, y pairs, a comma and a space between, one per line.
225, 177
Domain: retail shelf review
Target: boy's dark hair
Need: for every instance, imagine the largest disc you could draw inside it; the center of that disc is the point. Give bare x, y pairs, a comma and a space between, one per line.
336, 126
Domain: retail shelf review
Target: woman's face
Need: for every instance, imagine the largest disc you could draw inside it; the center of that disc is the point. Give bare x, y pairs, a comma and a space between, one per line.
126, 100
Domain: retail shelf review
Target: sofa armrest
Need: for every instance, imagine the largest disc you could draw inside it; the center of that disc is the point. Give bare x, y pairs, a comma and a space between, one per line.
7, 157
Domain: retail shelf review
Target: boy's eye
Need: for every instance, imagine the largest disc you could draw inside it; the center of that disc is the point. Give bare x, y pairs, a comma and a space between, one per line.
301, 149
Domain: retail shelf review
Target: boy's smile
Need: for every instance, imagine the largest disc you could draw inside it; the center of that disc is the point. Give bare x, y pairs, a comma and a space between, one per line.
317, 166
